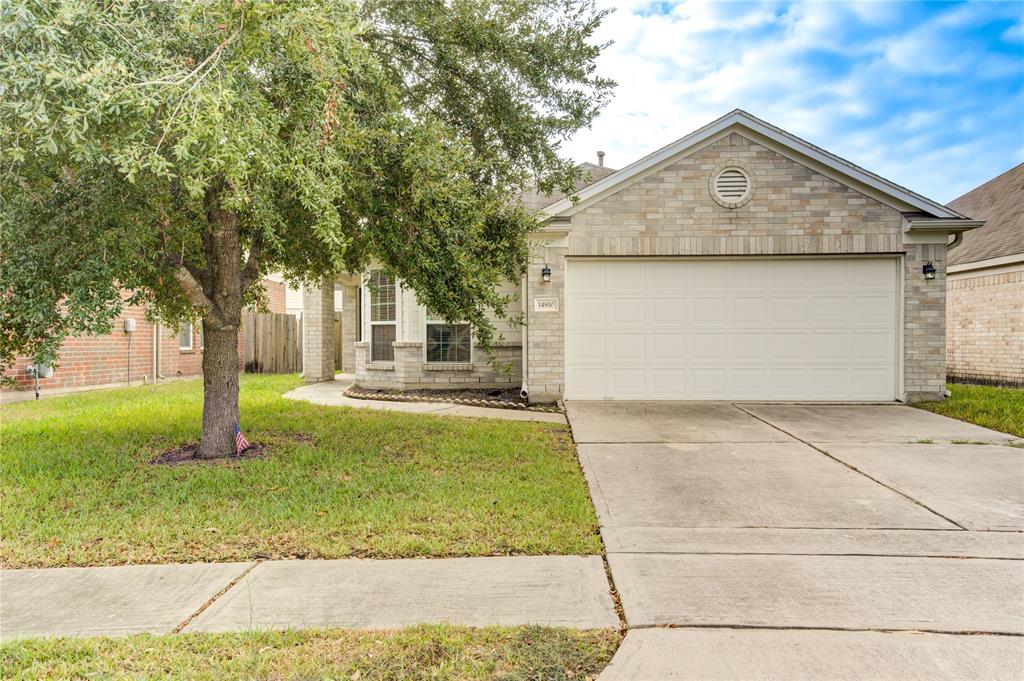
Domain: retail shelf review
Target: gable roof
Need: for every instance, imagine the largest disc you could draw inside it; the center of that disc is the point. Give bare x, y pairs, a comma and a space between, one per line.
774, 138
533, 200
1000, 202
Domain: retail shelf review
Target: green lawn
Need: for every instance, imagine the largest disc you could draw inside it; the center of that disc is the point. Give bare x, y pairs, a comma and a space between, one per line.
77, 488
426, 652
1001, 409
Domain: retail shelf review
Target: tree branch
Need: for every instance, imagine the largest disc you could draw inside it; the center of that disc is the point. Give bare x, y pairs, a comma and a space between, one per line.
252, 264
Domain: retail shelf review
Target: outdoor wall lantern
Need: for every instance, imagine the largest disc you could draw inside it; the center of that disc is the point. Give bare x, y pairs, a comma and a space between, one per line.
545, 273
928, 270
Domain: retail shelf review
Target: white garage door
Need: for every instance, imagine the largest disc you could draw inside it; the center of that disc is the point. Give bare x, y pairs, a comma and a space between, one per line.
742, 329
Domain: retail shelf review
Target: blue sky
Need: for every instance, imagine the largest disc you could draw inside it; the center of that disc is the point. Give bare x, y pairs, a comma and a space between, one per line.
929, 95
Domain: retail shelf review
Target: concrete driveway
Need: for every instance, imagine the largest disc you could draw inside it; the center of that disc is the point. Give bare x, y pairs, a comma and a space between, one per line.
807, 541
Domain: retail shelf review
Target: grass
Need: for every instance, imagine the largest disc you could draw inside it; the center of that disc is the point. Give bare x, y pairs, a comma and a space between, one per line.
78, 488
1000, 409
424, 652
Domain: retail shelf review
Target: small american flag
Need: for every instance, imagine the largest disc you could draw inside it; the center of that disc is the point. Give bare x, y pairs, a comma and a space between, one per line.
241, 444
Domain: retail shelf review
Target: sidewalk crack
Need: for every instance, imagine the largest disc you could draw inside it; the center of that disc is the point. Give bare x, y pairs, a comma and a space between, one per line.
202, 608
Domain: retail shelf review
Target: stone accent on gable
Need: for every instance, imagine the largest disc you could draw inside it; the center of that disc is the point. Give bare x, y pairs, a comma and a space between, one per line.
794, 211
985, 317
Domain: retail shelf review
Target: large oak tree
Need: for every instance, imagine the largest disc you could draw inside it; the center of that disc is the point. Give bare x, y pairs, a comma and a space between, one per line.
182, 150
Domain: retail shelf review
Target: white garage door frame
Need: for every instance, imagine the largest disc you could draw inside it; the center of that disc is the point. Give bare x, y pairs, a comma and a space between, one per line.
896, 262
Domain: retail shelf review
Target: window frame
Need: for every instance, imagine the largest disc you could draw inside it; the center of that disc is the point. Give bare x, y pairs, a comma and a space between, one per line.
191, 338
369, 317
428, 321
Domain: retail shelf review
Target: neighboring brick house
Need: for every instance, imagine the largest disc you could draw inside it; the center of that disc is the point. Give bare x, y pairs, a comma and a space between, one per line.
737, 263
985, 297
103, 360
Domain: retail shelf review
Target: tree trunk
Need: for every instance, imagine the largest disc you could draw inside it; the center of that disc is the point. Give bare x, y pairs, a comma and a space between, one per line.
220, 392
224, 288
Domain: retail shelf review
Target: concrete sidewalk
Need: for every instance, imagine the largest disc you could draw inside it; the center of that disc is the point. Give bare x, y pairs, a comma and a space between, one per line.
331, 394
569, 591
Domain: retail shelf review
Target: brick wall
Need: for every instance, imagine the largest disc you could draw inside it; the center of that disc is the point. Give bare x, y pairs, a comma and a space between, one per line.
985, 316
410, 371
102, 360
276, 291
924, 323
794, 211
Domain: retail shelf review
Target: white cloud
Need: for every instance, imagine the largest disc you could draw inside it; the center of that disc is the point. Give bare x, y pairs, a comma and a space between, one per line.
857, 79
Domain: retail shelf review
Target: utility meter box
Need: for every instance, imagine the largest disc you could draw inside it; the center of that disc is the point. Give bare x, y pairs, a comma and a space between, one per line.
129, 325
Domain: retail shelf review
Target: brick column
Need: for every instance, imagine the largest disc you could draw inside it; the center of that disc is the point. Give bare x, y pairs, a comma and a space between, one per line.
924, 324
318, 332
545, 331
349, 303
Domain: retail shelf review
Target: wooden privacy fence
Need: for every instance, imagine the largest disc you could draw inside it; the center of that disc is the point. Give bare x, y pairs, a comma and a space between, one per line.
272, 343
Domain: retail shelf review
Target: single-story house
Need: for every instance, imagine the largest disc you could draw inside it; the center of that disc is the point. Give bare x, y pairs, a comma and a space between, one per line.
737, 263
985, 296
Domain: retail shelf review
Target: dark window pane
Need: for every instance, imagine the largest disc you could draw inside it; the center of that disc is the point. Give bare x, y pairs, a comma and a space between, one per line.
382, 350
448, 343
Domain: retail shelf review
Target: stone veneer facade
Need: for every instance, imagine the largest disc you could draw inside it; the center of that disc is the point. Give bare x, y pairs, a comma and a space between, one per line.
795, 211
985, 310
410, 371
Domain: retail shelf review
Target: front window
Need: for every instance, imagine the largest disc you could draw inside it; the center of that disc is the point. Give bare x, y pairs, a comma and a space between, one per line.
185, 336
382, 316
447, 342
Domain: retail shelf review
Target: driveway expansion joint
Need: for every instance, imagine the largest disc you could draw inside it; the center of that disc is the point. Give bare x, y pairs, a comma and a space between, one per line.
876, 630
853, 468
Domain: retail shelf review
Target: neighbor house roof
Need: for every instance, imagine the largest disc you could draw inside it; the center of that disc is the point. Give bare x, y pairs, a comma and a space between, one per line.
1000, 202
591, 173
782, 142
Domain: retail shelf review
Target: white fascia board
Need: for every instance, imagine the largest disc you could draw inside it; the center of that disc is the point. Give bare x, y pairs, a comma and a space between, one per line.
946, 226
1001, 261
783, 142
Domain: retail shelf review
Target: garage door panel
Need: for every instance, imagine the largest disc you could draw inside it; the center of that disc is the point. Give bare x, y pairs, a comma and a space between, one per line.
666, 382
706, 346
666, 346
743, 310
626, 310
586, 310
627, 347
756, 328
746, 346
704, 310
588, 347
627, 276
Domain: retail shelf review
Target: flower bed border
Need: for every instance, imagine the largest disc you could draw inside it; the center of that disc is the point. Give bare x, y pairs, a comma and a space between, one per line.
359, 393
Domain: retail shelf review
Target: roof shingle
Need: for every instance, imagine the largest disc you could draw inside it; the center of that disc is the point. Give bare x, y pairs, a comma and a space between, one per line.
1000, 202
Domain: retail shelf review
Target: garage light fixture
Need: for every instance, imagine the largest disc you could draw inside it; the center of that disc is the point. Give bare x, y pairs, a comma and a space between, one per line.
545, 273
928, 270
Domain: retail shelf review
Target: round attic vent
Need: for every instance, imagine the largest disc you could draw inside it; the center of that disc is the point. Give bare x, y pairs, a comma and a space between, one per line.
731, 186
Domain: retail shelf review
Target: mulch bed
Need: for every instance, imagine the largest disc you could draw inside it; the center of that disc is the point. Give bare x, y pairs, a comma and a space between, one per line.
507, 398
187, 454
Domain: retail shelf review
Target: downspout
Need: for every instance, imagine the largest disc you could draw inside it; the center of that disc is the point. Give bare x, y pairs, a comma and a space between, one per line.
524, 391
156, 352
957, 238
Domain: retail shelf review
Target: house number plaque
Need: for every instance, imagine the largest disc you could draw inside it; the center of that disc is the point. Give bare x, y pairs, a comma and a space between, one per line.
545, 304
